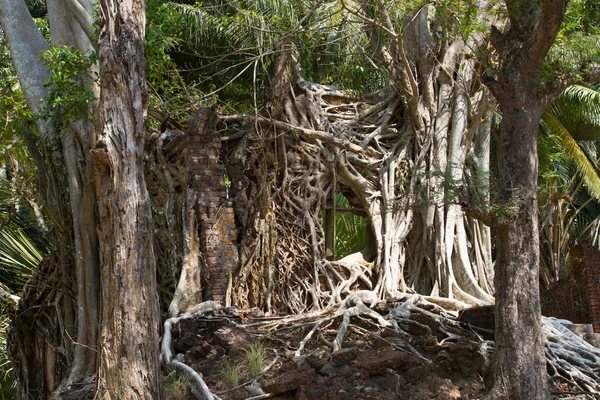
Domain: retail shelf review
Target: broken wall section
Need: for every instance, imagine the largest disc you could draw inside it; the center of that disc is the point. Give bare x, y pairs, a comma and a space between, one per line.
218, 234
576, 295
194, 230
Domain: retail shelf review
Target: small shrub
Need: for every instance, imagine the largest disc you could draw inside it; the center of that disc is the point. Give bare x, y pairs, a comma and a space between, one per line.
254, 357
176, 387
231, 372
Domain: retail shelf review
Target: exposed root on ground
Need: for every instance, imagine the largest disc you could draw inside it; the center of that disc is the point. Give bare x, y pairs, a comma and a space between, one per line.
198, 387
571, 359
399, 323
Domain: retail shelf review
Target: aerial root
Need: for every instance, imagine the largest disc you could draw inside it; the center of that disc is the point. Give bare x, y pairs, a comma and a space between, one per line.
353, 306
197, 385
398, 319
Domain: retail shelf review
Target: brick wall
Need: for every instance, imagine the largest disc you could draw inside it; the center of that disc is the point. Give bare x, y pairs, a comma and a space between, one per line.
218, 234
576, 296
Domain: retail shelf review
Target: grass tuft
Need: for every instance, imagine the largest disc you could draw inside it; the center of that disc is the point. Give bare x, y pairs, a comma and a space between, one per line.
176, 387
254, 357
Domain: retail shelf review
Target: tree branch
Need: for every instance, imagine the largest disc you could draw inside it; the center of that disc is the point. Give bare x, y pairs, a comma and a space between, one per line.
26, 45
309, 133
551, 14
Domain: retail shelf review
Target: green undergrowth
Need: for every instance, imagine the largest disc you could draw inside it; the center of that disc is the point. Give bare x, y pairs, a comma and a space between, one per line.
243, 365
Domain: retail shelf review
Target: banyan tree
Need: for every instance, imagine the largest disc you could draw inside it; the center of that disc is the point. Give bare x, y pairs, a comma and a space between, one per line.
409, 156
410, 150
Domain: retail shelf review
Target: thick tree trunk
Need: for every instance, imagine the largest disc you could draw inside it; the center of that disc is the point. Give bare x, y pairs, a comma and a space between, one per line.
128, 353
520, 365
520, 369
74, 232
70, 25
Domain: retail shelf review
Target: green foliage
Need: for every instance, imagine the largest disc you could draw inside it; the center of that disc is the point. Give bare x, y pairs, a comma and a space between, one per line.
577, 46
569, 177
176, 386
6, 378
573, 117
231, 371
244, 365
582, 16
19, 257
351, 230
14, 114
225, 51
504, 212
254, 358
168, 91
459, 18
68, 98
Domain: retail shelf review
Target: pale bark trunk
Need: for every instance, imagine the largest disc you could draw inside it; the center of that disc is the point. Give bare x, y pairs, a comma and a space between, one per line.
128, 354
70, 23
26, 45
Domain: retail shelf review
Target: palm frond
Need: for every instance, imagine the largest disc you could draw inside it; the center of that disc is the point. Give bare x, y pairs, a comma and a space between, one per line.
350, 230
585, 168
19, 257
578, 110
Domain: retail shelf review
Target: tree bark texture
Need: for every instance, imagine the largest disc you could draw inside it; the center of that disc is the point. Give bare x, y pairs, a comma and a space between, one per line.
70, 25
178, 195
520, 363
520, 367
128, 346
65, 145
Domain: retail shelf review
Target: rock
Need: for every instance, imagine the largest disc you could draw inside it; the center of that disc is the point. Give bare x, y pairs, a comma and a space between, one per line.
347, 372
291, 380
327, 369
190, 325
207, 367
428, 321
344, 356
198, 351
389, 381
444, 388
415, 375
254, 389
414, 329
462, 355
320, 392
332, 389
302, 363
187, 341
315, 361
215, 353
231, 337
417, 393
586, 332
441, 356
480, 317
376, 361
